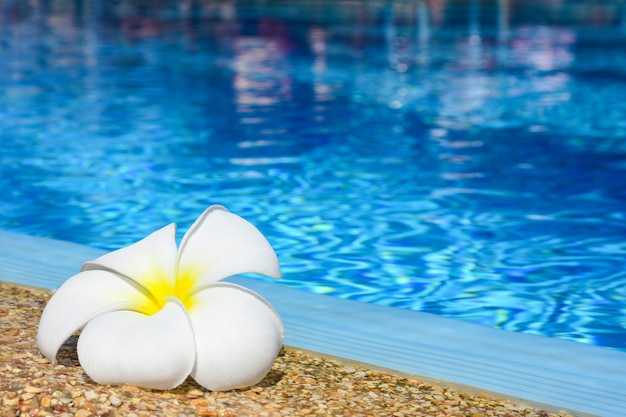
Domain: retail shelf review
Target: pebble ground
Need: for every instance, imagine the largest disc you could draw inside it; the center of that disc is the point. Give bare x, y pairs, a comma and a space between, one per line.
299, 384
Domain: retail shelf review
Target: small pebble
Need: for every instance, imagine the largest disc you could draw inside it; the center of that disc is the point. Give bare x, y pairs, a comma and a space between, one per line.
11, 402
91, 395
199, 402
115, 402
194, 393
207, 412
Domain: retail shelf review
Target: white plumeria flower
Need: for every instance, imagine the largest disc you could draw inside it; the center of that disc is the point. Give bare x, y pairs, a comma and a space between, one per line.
154, 314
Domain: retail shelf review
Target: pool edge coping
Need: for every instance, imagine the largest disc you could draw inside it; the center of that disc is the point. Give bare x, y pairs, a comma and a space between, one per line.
554, 374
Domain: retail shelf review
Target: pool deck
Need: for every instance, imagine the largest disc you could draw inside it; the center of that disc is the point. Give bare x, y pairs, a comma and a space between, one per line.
583, 379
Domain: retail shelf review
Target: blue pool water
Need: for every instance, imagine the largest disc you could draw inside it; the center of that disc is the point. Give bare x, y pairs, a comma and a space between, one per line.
463, 158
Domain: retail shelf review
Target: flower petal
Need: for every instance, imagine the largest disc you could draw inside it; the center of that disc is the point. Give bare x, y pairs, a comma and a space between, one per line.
78, 300
221, 244
238, 337
150, 262
125, 347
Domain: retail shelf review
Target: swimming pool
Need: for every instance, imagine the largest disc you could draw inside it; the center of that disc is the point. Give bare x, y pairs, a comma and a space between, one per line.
466, 160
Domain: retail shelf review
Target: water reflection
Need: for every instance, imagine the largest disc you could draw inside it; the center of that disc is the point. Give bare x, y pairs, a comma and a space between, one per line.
464, 156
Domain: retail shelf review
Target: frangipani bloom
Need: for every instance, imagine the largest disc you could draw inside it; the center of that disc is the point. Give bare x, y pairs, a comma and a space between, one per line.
154, 314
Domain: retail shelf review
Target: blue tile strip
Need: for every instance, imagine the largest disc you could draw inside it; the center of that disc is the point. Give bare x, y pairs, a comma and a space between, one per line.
567, 375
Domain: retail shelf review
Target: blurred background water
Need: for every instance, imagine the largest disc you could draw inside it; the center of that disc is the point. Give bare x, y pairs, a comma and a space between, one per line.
465, 158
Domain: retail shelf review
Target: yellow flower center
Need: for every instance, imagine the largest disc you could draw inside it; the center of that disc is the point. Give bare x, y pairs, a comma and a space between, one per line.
160, 289
183, 290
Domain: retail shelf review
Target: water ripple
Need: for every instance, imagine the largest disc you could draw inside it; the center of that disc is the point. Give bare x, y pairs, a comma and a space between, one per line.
480, 181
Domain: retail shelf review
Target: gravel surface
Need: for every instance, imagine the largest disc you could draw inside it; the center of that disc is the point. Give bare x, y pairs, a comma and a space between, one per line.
300, 384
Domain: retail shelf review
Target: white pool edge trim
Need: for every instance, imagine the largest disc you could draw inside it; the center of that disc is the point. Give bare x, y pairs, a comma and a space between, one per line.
563, 374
